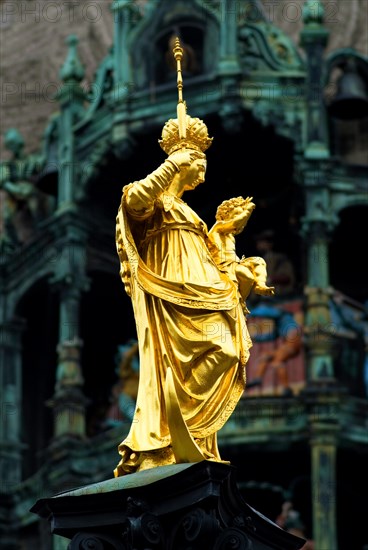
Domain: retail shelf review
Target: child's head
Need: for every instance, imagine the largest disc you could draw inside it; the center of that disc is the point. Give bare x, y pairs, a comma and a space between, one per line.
230, 208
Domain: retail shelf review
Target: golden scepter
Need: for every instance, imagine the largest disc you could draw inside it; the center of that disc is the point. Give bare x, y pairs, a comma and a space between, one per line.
181, 108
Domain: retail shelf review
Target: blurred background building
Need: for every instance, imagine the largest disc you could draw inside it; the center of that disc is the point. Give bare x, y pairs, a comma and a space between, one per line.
283, 88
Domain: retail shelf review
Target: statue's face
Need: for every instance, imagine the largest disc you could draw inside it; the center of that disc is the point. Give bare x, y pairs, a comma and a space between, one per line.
194, 174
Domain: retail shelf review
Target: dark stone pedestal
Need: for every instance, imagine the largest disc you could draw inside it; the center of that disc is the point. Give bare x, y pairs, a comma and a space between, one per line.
179, 507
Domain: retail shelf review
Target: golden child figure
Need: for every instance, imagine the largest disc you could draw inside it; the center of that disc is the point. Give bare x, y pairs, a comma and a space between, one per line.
250, 273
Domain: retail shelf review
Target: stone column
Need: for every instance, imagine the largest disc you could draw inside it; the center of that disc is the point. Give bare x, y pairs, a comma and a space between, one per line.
122, 11
68, 402
314, 38
324, 485
319, 330
71, 98
11, 446
70, 281
229, 67
317, 226
229, 61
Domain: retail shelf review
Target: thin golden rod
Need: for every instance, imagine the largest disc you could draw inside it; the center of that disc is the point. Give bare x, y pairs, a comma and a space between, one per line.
181, 108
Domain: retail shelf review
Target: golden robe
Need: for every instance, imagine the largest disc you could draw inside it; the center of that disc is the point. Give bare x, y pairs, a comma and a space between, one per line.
188, 317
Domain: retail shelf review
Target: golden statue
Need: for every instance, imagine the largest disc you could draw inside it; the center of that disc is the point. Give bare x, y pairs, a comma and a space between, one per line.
191, 328
249, 273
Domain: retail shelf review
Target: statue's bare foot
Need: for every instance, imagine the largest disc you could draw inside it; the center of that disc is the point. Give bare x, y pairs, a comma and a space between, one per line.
264, 290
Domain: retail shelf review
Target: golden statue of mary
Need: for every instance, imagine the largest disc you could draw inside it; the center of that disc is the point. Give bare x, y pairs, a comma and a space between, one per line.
191, 329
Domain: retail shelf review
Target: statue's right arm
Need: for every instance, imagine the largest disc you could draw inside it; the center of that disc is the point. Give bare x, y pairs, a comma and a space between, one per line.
139, 197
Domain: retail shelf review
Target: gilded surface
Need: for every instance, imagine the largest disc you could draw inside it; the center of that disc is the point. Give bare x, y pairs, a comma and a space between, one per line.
249, 273
191, 327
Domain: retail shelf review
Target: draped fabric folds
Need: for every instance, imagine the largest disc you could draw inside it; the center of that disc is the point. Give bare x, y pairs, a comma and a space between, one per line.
188, 317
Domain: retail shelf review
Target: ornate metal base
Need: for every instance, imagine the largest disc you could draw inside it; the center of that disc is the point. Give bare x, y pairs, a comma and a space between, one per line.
178, 507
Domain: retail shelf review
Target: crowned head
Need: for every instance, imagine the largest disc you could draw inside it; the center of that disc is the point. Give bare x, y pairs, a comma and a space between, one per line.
196, 136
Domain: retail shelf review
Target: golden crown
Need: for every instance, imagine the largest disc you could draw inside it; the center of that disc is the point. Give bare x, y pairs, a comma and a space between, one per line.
183, 132
196, 136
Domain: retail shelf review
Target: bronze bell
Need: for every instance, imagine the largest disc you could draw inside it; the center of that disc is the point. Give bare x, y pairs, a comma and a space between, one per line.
351, 99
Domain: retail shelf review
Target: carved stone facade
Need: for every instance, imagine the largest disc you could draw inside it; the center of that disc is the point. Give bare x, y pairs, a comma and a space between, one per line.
38, 30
